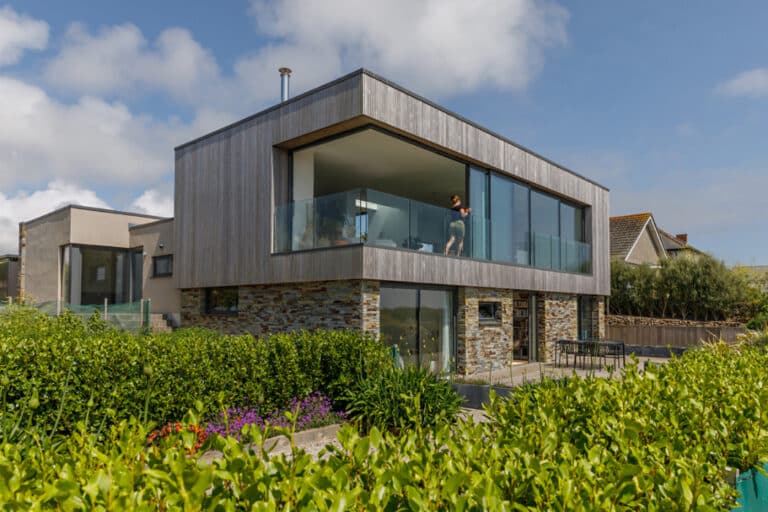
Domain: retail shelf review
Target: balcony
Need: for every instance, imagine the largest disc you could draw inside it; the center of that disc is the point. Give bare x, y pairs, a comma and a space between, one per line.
369, 217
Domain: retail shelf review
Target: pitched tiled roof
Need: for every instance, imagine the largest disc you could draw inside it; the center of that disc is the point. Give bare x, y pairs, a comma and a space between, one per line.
624, 232
671, 242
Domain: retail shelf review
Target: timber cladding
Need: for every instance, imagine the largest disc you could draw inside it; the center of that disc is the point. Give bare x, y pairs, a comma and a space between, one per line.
227, 185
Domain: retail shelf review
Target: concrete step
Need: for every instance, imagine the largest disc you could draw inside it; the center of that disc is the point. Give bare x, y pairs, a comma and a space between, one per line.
157, 323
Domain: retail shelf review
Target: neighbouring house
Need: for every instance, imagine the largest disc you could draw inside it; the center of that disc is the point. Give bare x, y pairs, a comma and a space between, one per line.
81, 256
9, 277
636, 239
331, 210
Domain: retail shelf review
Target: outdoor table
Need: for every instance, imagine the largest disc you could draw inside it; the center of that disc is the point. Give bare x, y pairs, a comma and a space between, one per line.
601, 349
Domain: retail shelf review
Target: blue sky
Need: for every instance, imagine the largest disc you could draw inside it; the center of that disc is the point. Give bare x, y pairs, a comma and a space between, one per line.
666, 103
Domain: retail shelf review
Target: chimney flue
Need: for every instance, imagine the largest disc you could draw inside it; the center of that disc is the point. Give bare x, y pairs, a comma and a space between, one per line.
683, 237
285, 77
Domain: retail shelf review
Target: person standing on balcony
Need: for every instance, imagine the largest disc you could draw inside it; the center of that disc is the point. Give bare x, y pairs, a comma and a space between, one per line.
457, 229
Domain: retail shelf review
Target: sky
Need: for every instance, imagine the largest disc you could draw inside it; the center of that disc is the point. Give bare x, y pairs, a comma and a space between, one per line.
665, 103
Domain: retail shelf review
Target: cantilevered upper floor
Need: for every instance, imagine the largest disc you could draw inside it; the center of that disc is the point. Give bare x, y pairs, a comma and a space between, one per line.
353, 180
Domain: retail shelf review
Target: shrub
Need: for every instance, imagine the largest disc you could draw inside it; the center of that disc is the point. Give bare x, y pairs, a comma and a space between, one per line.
401, 399
658, 440
90, 371
759, 322
314, 411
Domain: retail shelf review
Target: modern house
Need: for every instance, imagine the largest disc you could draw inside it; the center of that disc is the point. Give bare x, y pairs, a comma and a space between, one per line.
333, 210
637, 240
81, 256
9, 277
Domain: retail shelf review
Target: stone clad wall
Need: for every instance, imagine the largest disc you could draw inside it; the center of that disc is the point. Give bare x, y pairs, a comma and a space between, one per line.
371, 303
599, 317
267, 309
557, 319
479, 344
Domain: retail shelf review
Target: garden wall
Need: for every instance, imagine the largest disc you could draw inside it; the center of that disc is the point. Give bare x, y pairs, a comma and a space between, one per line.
662, 332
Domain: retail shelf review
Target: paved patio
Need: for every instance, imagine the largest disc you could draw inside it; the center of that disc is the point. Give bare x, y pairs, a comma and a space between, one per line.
521, 373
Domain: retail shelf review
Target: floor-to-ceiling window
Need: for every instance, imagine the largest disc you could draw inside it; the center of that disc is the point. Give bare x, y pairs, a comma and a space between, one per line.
586, 318
91, 275
479, 225
370, 187
419, 321
545, 226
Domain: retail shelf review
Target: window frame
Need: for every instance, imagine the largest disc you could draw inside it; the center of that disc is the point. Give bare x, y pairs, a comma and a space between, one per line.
497, 312
155, 259
206, 308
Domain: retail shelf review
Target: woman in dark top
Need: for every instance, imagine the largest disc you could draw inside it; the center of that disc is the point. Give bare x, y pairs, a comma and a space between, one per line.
456, 228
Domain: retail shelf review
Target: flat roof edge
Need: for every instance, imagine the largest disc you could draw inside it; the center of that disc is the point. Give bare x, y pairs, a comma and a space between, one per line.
267, 110
88, 208
150, 224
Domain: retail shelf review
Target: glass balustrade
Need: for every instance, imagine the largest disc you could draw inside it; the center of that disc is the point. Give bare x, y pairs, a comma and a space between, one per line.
366, 216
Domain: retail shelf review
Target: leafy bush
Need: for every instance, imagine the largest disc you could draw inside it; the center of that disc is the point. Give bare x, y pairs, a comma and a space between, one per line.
402, 399
76, 371
659, 440
759, 322
693, 287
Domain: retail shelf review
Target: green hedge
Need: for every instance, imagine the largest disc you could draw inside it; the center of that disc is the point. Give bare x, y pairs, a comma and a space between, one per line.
659, 440
76, 371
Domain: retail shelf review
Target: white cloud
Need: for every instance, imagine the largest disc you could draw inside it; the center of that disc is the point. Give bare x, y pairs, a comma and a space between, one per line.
118, 58
432, 46
748, 83
436, 47
19, 33
90, 140
154, 202
25, 206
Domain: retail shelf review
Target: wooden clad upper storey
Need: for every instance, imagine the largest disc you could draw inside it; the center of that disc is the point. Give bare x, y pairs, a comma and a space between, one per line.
230, 183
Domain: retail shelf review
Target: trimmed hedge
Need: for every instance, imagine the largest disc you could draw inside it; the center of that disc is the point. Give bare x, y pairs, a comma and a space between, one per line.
73, 371
659, 440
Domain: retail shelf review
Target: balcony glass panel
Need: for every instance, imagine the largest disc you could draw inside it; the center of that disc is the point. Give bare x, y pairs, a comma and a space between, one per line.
327, 221
386, 220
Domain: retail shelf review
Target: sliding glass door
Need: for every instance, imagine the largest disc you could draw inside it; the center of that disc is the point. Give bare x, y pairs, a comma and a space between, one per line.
419, 321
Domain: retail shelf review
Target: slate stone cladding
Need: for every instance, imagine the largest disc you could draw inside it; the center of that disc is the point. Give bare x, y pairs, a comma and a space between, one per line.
482, 344
557, 319
371, 302
354, 304
267, 309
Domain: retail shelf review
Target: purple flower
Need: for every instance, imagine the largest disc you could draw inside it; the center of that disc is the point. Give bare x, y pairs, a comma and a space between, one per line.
315, 410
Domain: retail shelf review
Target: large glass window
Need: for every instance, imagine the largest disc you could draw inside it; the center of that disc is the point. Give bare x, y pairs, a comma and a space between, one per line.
91, 275
419, 321
371, 188
478, 219
545, 228
575, 253
502, 215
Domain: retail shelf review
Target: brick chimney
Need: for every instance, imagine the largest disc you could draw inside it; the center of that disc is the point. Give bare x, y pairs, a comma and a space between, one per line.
683, 237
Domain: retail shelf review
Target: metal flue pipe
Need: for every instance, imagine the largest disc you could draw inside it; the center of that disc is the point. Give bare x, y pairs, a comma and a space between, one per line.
285, 77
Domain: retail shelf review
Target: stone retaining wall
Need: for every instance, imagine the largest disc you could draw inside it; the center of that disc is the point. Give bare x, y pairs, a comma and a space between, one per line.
627, 320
